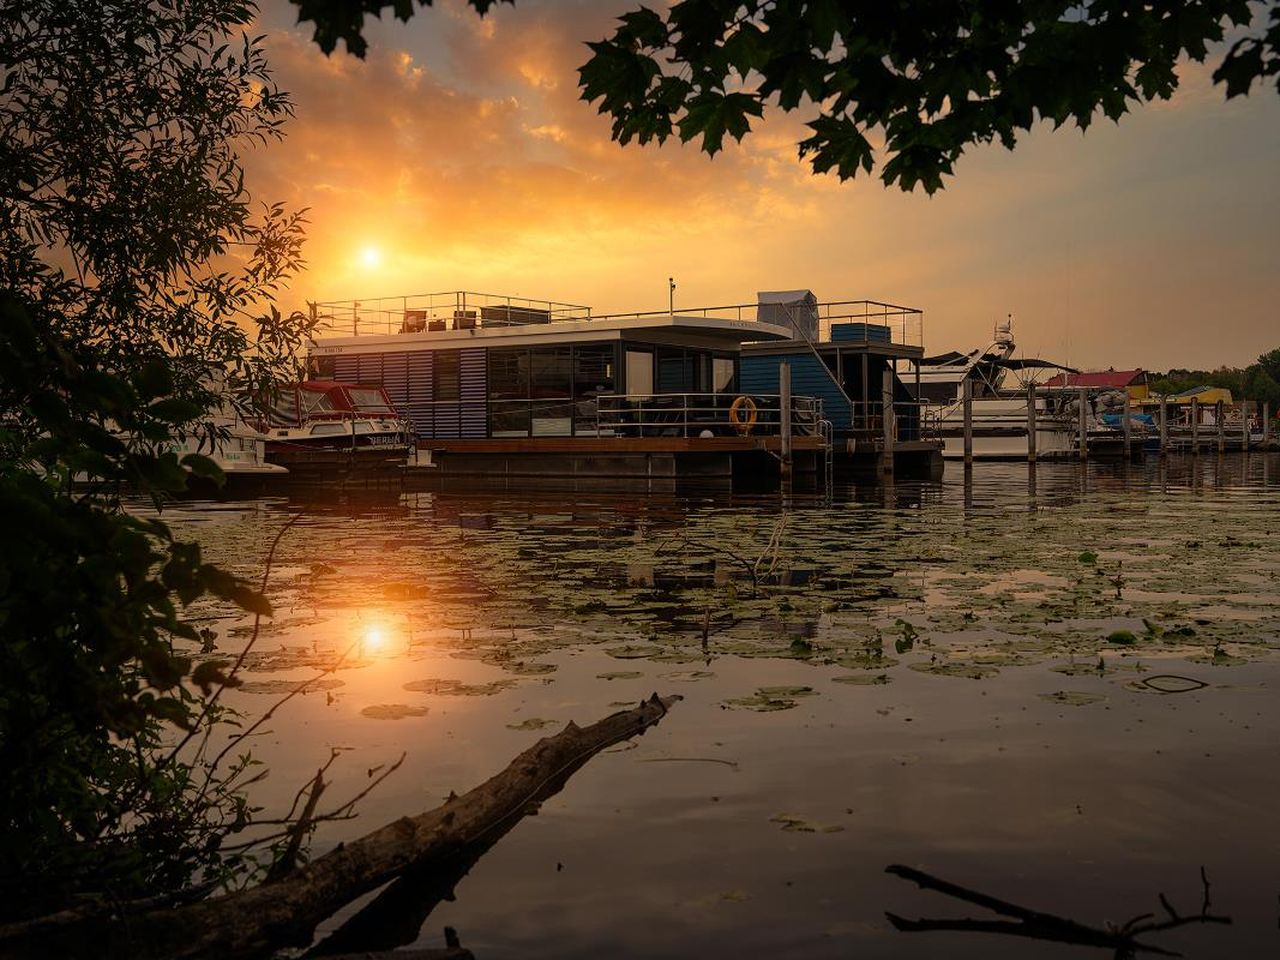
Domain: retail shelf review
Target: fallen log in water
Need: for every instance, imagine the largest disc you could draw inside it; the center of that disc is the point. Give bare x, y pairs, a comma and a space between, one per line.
254, 922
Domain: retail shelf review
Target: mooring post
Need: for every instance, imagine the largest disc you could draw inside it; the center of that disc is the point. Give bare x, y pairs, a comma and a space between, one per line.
886, 397
1219, 411
1164, 426
1084, 425
1031, 423
1195, 425
1266, 424
784, 416
1128, 427
1244, 425
967, 393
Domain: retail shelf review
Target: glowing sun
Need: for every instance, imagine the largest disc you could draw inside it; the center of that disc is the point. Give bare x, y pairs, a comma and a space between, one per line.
371, 257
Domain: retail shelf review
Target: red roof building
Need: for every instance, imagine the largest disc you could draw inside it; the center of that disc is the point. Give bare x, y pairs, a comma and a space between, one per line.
1135, 381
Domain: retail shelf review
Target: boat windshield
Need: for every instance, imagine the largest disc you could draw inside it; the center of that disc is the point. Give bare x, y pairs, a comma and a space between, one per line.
368, 400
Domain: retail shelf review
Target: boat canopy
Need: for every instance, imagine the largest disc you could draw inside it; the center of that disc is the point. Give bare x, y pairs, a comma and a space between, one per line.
295, 403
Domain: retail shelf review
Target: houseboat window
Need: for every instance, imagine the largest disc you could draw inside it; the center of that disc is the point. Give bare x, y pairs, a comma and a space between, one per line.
675, 372
509, 392
724, 375
639, 373
593, 375
447, 384
327, 429
551, 391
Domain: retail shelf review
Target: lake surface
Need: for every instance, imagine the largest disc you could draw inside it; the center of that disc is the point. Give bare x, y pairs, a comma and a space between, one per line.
1056, 686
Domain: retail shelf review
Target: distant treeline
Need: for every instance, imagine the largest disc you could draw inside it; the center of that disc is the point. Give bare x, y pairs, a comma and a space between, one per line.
1259, 381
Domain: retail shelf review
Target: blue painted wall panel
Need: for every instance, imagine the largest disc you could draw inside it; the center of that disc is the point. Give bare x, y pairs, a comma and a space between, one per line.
809, 378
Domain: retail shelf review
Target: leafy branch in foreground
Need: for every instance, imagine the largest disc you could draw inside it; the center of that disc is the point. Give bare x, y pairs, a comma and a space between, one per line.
918, 83
135, 273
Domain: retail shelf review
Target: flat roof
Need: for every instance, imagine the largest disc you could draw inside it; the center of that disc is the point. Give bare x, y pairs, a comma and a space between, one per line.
676, 329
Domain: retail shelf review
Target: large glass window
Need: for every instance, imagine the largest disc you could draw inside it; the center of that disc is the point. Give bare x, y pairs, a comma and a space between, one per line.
593, 376
675, 372
551, 391
509, 374
447, 380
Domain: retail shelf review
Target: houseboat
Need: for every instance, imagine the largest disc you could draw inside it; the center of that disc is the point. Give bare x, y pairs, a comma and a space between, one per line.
856, 356
496, 386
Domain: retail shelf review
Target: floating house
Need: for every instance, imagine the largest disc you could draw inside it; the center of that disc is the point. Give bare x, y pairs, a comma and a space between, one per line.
502, 386
861, 358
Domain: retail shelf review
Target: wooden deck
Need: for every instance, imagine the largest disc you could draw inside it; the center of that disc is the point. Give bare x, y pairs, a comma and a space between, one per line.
617, 445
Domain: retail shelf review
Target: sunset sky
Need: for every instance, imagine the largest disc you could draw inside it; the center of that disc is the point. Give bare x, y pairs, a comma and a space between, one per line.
458, 156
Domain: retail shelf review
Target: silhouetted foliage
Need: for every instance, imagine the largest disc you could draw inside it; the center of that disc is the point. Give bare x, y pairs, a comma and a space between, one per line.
926, 81
1257, 382
131, 268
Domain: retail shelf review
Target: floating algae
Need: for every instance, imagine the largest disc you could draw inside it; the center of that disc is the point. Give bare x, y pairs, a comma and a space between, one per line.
797, 824
456, 688
393, 711
533, 723
770, 699
1073, 698
620, 675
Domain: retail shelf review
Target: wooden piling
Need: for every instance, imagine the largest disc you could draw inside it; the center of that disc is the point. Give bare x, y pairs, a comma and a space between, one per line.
1164, 427
968, 423
1084, 424
1219, 413
1244, 425
1031, 423
1266, 424
886, 397
1195, 425
1127, 426
784, 416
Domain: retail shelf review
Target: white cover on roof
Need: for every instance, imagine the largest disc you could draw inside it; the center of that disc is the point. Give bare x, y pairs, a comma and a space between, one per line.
795, 309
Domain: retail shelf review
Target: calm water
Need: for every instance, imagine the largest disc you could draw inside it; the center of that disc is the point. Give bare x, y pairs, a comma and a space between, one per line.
911, 674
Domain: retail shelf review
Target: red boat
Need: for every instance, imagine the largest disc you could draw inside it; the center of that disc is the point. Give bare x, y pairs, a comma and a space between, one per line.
323, 428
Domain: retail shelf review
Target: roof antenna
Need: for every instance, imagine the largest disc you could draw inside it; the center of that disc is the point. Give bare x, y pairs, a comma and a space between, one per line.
671, 295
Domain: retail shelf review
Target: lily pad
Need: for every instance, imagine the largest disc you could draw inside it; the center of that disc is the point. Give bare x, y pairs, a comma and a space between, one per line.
1073, 698
393, 711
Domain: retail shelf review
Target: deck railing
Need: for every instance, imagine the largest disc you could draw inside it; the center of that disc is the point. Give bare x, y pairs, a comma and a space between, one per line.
705, 415
911, 420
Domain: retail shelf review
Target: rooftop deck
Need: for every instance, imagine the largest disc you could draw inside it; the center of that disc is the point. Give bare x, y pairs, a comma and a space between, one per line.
835, 321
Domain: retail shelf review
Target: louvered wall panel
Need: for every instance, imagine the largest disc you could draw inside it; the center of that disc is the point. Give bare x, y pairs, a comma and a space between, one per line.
474, 390
370, 371
418, 407
395, 378
346, 367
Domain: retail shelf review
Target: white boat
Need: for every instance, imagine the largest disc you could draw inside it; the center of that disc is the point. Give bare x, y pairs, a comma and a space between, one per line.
326, 429
999, 404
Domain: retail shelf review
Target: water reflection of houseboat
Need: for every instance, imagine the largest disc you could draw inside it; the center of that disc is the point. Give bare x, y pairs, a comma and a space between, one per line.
501, 386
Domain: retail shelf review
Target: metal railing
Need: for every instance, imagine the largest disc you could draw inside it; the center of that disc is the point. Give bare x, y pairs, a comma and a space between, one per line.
911, 420
704, 415
448, 310
844, 321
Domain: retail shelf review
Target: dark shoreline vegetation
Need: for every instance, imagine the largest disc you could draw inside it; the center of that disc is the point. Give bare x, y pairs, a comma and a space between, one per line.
138, 282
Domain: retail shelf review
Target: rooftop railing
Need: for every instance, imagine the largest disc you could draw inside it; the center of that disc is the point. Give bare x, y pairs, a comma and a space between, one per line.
838, 321
449, 310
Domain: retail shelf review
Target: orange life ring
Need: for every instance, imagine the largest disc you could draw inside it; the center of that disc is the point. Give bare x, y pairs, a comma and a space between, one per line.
742, 414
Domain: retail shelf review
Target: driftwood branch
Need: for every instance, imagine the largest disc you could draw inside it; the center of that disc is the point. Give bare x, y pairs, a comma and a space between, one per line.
1037, 925
254, 922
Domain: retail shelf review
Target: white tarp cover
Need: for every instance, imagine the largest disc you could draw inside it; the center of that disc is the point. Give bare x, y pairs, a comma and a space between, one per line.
796, 309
